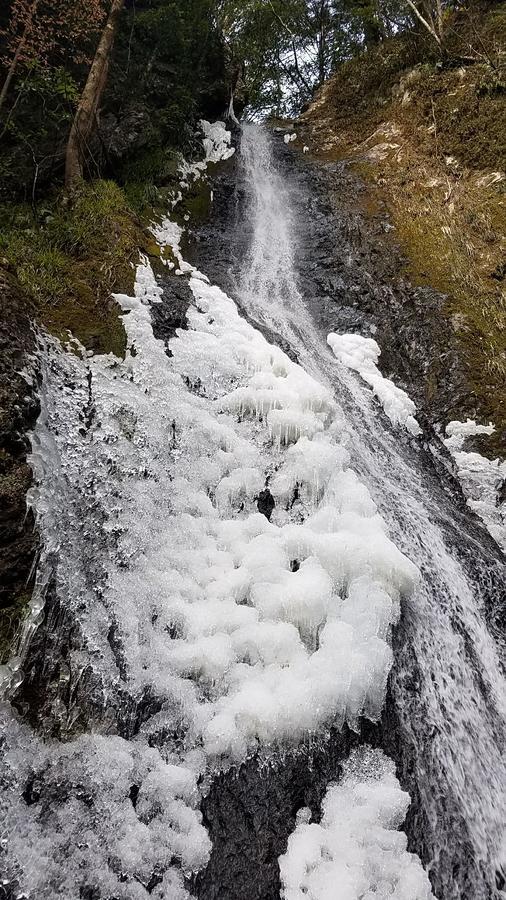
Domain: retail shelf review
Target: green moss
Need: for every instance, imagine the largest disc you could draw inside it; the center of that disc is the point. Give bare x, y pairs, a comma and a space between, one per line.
449, 221
70, 258
197, 201
468, 109
442, 260
155, 165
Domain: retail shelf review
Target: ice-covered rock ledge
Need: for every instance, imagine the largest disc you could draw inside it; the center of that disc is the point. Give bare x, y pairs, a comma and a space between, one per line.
289, 619
251, 633
356, 851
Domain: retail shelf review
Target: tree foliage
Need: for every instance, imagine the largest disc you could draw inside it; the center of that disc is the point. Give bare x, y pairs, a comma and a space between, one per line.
288, 47
46, 29
167, 68
47, 33
169, 59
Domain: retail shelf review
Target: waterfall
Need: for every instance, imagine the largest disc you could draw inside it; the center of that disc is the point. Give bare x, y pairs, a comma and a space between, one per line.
235, 535
448, 686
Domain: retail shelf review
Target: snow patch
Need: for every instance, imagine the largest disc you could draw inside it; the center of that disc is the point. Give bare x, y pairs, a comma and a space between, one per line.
361, 354
288, 138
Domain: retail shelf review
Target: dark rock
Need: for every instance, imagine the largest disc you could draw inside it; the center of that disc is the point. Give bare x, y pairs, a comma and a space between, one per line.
250, 813
266, 503
170, 314
127, 134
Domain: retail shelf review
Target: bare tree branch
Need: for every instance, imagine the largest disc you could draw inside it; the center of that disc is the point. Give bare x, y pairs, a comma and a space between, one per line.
294, 48
430, 27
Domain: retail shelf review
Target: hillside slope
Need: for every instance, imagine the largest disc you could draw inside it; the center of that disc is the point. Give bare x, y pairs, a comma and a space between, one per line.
429, 143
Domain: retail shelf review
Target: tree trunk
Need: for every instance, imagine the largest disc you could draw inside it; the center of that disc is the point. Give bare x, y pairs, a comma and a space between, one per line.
85, 116
321, 43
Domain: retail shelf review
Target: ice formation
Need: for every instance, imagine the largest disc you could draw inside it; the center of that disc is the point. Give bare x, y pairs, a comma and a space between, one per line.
216, 141
244, 632
242, 646
356, 851
361, 354
482, 479
288, 138
169, 234
103, 817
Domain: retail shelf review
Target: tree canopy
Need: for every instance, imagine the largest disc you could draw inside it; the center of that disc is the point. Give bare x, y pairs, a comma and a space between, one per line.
289, 47
173, 61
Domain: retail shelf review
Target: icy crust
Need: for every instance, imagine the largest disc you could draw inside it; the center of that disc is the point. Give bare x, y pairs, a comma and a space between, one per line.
216, 143
482, 479
249, 633
361, 354
355, 852
102, 816
280, 652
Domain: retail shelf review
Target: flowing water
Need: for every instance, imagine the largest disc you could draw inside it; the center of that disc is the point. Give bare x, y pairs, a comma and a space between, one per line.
448, 687
185, 634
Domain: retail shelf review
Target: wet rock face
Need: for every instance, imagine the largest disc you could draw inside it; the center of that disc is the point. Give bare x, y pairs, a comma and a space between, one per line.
19, 408
352, 278
352, 274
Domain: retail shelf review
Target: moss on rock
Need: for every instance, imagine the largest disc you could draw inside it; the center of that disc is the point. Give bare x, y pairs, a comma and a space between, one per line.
70, 257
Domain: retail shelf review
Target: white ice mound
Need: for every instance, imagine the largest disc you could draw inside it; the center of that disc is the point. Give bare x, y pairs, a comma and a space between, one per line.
264, 624
257, 631
361, 354
457, 432
216, 141
106, 812
356, 851
227, 631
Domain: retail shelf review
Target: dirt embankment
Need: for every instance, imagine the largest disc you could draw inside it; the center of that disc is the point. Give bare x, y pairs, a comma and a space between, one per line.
429, 142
